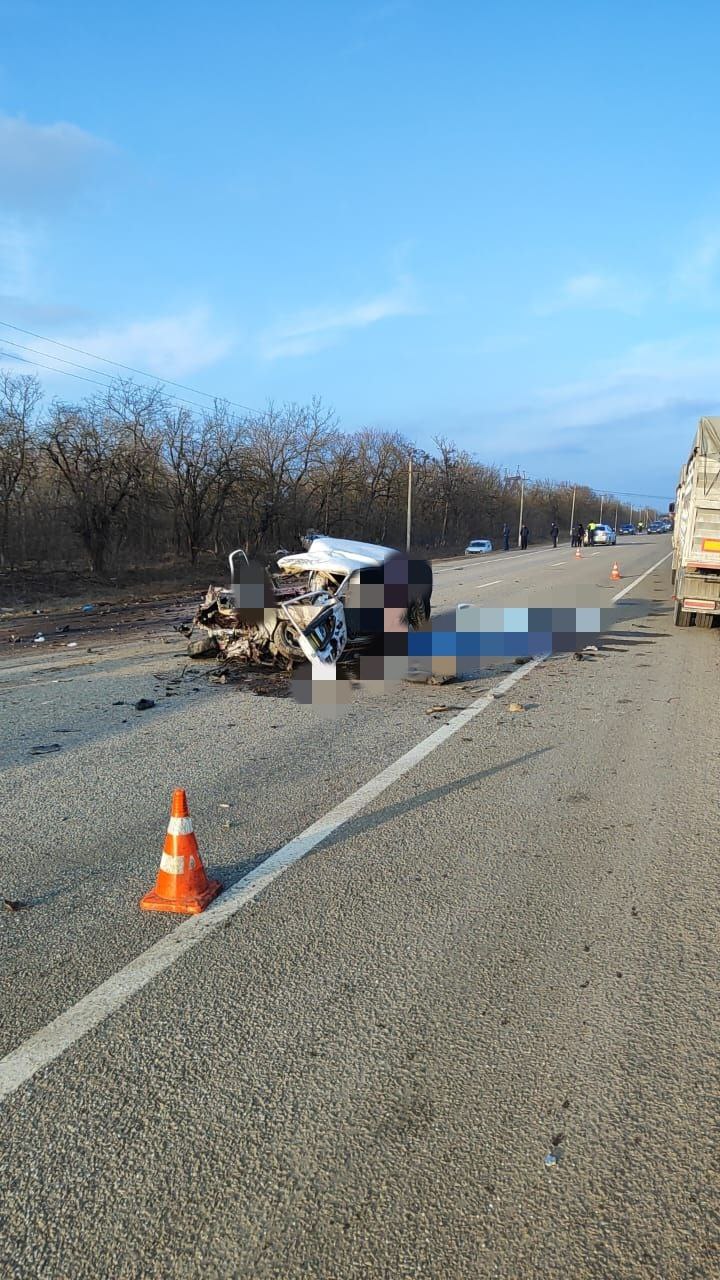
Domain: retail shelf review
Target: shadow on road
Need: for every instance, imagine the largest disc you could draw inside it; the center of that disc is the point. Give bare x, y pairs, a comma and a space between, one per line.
400, 809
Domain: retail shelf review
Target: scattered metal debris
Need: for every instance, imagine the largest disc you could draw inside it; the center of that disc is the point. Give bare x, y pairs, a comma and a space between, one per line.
305, 606
144, 704
45, 749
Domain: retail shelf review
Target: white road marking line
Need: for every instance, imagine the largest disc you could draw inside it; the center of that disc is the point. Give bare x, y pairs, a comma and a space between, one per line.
644, 575
555, 562
47, 1044
494, 583
455, 568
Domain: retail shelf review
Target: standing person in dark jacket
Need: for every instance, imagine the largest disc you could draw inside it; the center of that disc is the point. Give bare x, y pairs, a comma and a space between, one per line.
554, 531
524, 535
580, 534
506, 537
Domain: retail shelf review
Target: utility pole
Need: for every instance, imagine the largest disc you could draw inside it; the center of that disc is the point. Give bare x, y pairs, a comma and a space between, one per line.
522, 503
409, 506
602, 503
572, 513
616, 511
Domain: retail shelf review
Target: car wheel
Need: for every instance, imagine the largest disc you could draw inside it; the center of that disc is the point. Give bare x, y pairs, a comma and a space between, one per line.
287, 643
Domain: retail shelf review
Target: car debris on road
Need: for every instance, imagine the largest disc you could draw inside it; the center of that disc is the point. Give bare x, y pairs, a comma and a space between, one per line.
311, 605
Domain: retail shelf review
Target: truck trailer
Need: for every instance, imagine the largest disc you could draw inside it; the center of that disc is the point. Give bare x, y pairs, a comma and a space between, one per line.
696, 532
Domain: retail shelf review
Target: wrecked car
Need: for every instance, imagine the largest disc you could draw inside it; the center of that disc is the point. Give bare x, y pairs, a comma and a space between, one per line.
335, 597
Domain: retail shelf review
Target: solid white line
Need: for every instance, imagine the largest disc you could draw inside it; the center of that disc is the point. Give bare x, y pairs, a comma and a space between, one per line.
644, 575
526, 555
47, 1044
494, 583
552, 566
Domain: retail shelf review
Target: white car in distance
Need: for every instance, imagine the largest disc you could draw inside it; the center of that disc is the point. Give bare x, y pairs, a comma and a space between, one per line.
602, 534
478, 547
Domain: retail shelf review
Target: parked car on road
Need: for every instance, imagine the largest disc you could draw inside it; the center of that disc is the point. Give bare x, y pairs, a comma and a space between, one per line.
656, 526
600, 534
478, 547
627, 529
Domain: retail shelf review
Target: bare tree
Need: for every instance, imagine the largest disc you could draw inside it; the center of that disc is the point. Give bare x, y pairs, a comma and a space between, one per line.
20, 395
203, 461
100, 451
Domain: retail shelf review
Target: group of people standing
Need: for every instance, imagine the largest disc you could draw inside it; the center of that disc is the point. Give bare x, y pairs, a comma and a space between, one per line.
525, 535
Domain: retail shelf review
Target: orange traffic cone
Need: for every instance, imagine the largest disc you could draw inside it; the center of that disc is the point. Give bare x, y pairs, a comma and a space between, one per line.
615, 575
578, 554
181, 885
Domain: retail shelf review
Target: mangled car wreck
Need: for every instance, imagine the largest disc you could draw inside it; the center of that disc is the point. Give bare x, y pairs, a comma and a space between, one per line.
334, 598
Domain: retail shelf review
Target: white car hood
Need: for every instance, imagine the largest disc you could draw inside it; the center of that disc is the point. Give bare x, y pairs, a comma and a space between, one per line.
336, 555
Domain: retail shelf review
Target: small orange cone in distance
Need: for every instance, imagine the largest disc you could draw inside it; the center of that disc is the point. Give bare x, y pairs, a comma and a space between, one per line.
615, 575
578, 554
181, 885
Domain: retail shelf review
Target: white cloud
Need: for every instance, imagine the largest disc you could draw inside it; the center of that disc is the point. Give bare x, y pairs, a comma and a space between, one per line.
176, 346
41, 164
322, 327
593, 291
168, 346
648, 378
632, 417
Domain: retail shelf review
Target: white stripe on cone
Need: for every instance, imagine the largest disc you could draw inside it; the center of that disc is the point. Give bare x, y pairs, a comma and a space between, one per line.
173, 863
180, 827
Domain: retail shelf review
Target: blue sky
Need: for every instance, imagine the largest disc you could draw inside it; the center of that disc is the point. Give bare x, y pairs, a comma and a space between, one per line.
495, 222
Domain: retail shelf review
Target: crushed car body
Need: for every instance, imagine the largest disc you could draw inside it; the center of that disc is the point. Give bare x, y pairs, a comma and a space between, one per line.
315, 605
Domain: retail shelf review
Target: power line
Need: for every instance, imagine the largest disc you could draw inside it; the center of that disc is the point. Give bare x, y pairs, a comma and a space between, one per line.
63, 360
598, 491
128, 367
183, 387
37, 364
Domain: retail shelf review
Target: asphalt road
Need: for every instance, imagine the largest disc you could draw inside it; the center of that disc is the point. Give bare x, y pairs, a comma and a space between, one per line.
508, 952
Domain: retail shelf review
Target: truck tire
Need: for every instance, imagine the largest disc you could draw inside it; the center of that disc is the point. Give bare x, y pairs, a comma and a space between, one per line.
681, 617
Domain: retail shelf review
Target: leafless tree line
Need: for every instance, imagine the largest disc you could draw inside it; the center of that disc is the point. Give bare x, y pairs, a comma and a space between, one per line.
128, 478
